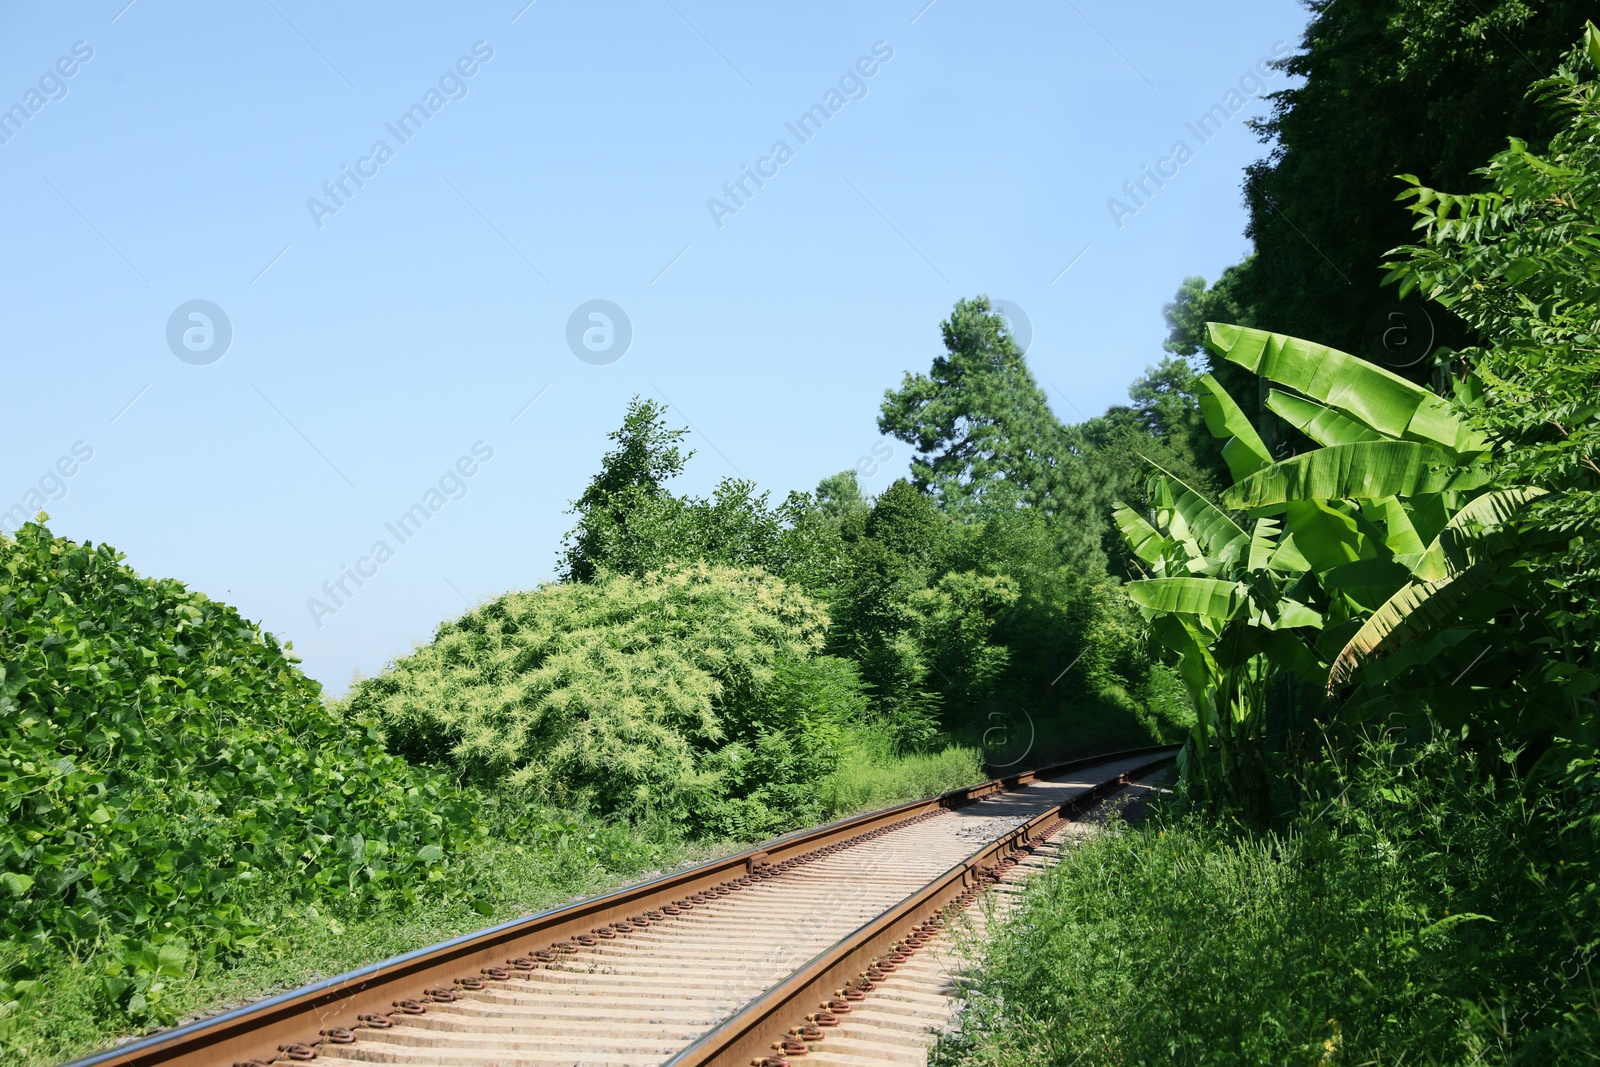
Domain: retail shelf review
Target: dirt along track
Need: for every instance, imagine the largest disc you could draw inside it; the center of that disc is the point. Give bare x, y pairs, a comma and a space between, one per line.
696, 968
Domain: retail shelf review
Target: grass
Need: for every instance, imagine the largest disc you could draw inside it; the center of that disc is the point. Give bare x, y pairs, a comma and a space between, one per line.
1423, 919
569, 857
870, 775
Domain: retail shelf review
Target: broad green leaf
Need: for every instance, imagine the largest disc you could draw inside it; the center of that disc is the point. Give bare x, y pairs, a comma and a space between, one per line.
1292, 615
1142, 539
1416, 608
1263, 543
1196, 666
1378, 398
1400, 534
1367, 470
17, 884
1288, 559
1324, 425
1293, 654
1245, 453
1324, 537
430, 854
1478, 532
1367, 581
1192, 517
1208, 597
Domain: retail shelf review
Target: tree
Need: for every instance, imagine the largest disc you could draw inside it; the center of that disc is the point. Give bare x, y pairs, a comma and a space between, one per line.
632, 477
978, 420
1380, 566
1162, 425
1518, 262
839, 496
632, 695
1423, 87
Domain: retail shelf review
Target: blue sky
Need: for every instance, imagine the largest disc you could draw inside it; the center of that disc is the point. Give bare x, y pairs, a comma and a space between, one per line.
161, 153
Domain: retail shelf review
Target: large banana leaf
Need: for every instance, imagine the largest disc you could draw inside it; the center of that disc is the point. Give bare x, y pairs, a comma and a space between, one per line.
1291, 615
1293, 654
1208, 597
1400, 533
1378, 398
1366, 470
1196, 666
1263, 544
1288, 559
1324, 425
1377, 674
1417, 608
1478, 532
1245, 453
1324, 537
1142, 538
1192, 516
1459, 562
1369, 582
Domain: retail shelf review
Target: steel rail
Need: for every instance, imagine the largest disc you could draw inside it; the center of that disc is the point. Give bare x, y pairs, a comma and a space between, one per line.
258, 1031
748, 1035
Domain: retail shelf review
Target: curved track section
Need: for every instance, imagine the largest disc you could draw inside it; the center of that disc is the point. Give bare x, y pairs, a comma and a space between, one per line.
692, 968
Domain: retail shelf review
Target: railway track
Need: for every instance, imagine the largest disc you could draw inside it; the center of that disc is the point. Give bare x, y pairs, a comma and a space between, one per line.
758, 957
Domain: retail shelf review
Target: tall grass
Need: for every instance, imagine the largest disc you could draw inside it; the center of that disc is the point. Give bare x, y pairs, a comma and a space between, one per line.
870, 774
1422, 919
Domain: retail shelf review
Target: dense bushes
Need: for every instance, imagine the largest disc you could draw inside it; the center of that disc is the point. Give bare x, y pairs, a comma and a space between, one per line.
691, 693
163, 764
1414, 915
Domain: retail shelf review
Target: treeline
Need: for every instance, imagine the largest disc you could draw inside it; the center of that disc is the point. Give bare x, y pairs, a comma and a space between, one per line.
1384, 846
730, 662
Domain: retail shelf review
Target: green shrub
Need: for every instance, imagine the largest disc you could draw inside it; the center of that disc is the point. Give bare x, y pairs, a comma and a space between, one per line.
1419, 915
640, 696
164, 767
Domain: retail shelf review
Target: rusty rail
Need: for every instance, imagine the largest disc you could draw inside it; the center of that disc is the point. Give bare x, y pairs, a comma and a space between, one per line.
296, 1021
748, 1036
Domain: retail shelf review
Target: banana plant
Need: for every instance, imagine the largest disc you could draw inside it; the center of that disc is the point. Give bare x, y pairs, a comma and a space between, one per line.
1345, 565
1225, 601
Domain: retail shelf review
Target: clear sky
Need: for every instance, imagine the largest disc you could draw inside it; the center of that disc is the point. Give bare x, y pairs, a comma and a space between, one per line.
394, 284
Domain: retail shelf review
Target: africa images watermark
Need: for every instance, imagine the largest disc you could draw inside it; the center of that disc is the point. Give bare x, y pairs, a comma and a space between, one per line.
452, 485
52, 485
452, 85
1252, 83
52, 87
852, 85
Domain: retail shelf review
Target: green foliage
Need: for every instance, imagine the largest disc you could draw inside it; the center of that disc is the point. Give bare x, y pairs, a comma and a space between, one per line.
1423, 87
980, 423
1416, 914
629, 523
632, 478
1163, 425
1520, 262
1331, 567
839, 496
873, 773
164, 766
642, 696
533, 859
